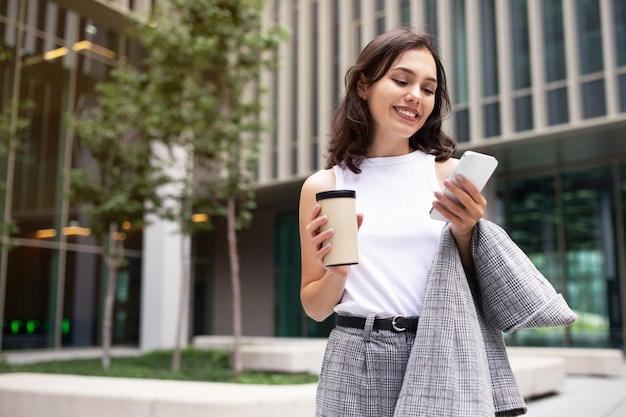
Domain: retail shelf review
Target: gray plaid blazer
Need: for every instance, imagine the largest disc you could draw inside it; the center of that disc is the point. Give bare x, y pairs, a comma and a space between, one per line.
458, 365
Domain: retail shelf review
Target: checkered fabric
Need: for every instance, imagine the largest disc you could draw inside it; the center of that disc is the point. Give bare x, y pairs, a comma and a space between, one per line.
458, 366
362, 372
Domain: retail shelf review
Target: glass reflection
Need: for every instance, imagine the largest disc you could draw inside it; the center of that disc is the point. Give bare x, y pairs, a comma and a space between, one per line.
590, 255
532, 224
29, 314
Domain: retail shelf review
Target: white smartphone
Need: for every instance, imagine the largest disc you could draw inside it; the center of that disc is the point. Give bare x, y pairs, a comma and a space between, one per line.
477, 168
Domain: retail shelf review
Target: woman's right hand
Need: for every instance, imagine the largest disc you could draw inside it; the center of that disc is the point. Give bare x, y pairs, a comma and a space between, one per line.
321, 287
318, 237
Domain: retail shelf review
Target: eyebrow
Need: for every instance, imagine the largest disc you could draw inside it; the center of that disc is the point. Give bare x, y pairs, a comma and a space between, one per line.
410, 72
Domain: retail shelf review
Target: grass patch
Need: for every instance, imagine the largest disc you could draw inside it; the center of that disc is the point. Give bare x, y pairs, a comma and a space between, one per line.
196, 365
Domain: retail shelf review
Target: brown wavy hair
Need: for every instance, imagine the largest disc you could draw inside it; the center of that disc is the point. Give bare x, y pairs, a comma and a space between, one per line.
352, 123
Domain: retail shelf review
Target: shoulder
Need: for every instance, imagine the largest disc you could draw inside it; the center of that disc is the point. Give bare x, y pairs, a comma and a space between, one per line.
322, 180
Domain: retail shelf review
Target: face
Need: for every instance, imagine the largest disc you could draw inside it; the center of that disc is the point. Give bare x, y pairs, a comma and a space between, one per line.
401, 101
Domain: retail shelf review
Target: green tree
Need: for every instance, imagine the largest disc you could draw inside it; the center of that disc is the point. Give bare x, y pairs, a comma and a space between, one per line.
116, 177
204, 60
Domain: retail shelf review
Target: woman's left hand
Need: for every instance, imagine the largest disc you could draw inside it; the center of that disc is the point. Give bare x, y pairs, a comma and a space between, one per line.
464, 214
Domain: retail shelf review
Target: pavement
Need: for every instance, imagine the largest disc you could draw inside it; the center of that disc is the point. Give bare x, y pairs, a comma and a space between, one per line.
579, 396
583, 396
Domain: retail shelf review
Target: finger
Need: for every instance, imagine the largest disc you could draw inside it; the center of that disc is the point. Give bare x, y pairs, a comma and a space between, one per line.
464, 211
466, 194
322, 252
445, 211
469, 188
314, 227
319, 239
317, 209
359, 220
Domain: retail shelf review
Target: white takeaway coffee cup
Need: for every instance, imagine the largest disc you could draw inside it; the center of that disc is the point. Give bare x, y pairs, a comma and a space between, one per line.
340, 207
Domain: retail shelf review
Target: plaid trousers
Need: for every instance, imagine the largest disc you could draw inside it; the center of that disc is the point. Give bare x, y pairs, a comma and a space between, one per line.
362, 372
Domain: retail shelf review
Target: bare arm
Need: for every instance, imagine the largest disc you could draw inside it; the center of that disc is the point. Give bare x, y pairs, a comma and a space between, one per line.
321, 288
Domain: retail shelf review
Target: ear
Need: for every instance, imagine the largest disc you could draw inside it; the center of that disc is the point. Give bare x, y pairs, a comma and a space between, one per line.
361, 87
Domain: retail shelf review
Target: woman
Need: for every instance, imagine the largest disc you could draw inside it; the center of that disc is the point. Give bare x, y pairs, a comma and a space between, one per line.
387, 144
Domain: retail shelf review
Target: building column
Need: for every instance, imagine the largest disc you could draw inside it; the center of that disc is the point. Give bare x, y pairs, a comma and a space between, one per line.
162, 264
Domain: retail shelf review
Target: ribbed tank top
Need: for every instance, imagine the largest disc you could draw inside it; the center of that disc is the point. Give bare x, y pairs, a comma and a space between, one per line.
397, 240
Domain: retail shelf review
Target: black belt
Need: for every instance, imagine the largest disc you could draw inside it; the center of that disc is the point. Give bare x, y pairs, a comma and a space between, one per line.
396, 324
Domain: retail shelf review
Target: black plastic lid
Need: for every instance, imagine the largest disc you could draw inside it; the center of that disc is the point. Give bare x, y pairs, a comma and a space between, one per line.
335, 194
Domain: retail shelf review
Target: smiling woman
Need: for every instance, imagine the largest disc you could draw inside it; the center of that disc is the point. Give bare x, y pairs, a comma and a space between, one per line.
388, 146
399, 309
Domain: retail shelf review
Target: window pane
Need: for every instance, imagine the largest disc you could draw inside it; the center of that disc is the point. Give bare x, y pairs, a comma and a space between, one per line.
594, 103
532, 224
489, 48
590, 254
461, 119
619, 11
554, 40
492, 119
558, 108
520, 44
589, 36
405, 13
459, 75
356, 9
431, 18
622, 92
44, 82
28, 322
82, 295
523, 113
380, 25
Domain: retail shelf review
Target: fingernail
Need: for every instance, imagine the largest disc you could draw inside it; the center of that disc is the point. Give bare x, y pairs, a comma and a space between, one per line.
460, 177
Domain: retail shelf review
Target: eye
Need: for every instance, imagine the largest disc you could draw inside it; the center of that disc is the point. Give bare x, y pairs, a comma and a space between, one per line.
401, 83
429, 91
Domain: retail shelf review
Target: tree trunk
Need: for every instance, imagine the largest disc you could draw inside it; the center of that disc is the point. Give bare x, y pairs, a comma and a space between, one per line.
183, 298
112, 259
236, 286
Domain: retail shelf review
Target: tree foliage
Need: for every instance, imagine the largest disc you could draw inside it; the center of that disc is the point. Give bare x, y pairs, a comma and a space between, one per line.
115, 175
115, 178
204, 59
197, 91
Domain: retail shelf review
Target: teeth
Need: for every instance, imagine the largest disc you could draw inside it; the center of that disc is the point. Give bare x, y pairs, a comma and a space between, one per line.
407, 113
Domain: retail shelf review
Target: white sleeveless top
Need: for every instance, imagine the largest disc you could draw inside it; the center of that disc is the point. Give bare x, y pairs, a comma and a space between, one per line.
397, 240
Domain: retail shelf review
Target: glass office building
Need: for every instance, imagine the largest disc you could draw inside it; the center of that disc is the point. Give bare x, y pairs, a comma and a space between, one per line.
540, 84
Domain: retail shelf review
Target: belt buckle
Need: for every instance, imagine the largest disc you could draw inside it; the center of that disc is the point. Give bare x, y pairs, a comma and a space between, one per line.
395, 326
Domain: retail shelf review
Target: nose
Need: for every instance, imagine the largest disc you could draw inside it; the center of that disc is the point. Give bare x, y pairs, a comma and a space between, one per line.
414, 94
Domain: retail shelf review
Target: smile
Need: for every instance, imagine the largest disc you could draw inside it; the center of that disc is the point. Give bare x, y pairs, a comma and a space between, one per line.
406, 113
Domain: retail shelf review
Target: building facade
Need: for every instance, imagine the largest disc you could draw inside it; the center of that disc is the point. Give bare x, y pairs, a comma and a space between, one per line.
540, 84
